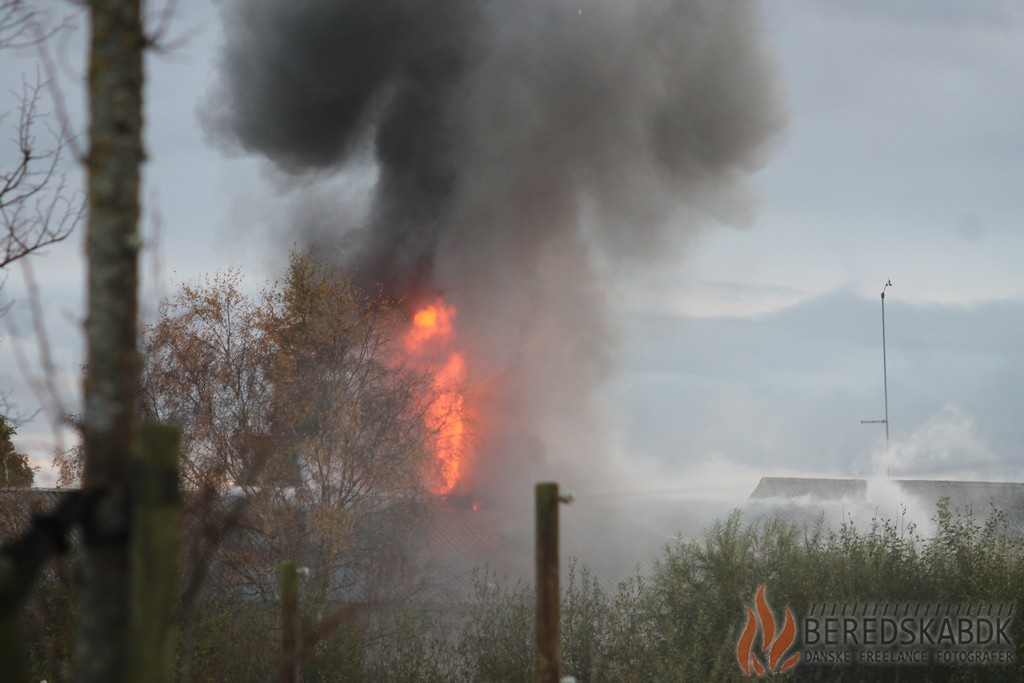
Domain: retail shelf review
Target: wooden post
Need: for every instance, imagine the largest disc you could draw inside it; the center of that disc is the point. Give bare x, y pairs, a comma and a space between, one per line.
288, 577
548, 595
155, 532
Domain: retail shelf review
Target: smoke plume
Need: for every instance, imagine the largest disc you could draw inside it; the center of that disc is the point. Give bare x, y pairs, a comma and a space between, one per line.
517, 145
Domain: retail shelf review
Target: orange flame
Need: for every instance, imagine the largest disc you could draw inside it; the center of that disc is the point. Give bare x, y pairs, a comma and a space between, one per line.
430, 324
427, 340
774, 649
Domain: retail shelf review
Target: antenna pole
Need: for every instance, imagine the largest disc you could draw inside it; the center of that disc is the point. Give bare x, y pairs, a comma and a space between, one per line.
885, 375
885, 371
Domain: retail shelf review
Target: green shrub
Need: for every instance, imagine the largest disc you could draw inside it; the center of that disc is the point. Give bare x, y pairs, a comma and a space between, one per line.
678, 623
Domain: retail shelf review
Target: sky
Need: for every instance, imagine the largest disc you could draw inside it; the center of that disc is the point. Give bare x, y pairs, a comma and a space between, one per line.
742, 351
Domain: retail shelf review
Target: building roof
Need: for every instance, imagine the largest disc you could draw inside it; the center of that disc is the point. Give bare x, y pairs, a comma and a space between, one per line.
920, 496
961, 493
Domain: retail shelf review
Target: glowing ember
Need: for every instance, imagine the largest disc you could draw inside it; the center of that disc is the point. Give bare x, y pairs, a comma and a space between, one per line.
427, 342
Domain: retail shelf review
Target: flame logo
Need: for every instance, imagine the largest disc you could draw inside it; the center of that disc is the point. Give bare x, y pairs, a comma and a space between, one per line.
772, 647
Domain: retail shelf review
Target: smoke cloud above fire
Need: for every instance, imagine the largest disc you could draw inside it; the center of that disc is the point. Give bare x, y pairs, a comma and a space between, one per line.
526, 154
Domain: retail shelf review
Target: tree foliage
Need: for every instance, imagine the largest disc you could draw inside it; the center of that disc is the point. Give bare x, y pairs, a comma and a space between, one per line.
15, 470
206, 362
303, 438
346, 422
679, 622
682, 623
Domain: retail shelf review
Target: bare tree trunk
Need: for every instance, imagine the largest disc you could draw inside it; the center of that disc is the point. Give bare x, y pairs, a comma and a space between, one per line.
112, 369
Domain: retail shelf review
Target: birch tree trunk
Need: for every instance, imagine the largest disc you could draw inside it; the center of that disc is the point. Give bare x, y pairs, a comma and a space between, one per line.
112, 367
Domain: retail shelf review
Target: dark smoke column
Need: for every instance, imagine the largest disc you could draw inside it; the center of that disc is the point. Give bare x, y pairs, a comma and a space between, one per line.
516, 143
312, 85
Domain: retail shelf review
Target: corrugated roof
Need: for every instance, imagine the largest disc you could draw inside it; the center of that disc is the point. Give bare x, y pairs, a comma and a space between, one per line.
799, 487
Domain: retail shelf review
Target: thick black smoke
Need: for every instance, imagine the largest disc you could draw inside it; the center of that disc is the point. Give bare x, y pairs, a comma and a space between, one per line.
517, 143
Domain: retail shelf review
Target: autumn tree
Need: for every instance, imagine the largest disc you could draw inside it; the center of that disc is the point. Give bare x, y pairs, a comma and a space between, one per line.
206, 370
347, 414
15, 470
303, 435
15, 473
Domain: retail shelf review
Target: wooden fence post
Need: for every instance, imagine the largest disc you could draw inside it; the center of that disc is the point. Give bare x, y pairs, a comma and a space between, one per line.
288, 577
548, 594
155, 534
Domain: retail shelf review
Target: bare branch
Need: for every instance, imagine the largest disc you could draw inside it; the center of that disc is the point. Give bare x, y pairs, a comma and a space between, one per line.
46, 61
15, 24
37, 206
158, 39
43, 385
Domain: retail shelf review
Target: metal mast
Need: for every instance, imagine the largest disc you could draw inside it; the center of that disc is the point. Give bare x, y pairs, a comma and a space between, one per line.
885, 371
885, 375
